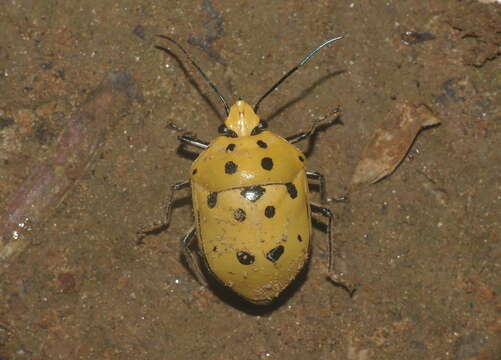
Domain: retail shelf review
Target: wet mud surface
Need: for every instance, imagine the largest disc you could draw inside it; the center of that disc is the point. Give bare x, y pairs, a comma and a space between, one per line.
422, 244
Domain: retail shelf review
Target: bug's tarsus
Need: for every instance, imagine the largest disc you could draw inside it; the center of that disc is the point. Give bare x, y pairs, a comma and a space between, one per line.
339, 199
294, 69
333, 276
173, 126
206, 78
348, 287
319, 123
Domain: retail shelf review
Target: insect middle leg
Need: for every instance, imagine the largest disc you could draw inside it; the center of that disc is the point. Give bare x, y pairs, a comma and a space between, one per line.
336, 277
158, 227
321, 183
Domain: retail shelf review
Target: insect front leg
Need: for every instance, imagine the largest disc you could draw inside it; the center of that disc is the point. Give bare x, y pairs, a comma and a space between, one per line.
191, 258
187, 138
191, 140
324, 120
334, 276
156, 228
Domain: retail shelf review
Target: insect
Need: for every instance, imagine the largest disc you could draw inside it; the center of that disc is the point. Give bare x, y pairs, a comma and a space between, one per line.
251, 201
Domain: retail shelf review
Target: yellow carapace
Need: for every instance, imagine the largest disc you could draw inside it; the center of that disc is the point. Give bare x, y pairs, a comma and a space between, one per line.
251, 202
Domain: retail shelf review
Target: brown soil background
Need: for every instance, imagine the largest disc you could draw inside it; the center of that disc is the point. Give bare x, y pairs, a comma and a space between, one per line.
423, 244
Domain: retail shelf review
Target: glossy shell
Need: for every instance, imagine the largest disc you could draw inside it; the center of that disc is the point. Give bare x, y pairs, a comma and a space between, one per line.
250, 198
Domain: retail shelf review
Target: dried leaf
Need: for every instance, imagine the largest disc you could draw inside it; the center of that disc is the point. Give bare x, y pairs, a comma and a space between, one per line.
391, 142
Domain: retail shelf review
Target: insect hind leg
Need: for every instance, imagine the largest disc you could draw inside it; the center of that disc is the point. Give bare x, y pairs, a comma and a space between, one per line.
334, 276
191, 258
157, 227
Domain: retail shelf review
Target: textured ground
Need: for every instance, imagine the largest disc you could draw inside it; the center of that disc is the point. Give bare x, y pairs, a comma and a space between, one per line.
423, 244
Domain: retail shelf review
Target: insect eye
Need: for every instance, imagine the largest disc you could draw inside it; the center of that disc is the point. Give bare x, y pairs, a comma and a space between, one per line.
259, 128
222, 129
226, 132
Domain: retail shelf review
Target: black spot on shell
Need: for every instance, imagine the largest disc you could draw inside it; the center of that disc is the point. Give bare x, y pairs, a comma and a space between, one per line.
301, 158
230, 167
253, 193
212, 199
269, 212
239, 215
230, 147
245, 258
274, 254
267, 163
214, 249
262, 144
194, 172
291, 189
299, 238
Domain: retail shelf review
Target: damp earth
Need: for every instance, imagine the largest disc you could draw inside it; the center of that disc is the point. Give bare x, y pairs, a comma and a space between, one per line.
422, 245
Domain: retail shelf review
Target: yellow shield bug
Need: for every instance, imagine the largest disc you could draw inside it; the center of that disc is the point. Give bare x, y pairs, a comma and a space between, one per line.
251, 201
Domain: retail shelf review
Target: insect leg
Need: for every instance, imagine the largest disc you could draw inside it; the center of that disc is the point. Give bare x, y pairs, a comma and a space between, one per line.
317, 209
156, 228
191, 140
187, 241
316, 124
334, 276
302, 135
321, 183
188, 139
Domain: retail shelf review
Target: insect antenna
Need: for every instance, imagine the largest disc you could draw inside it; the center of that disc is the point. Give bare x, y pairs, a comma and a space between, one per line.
293, 70
206, 78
